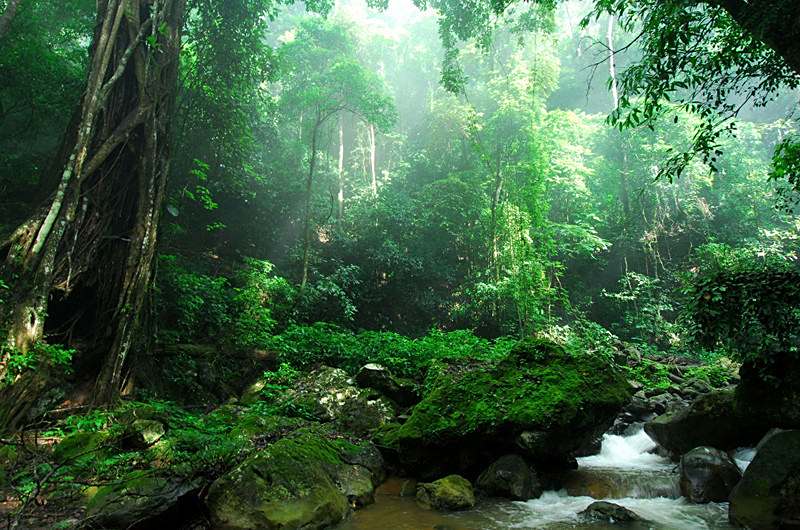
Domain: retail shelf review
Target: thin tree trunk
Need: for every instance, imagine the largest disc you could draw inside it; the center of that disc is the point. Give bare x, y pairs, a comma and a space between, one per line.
623, 173
498, 189
372, 160
340, 196
92, 247
8, 16
307, 213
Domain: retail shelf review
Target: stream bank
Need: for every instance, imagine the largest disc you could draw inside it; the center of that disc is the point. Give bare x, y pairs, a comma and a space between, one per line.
625, 472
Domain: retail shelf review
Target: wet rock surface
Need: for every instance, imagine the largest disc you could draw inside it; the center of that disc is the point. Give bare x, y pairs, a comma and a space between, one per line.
768, 496
708, 475
603, 511
452, 492
711, 420
510, 477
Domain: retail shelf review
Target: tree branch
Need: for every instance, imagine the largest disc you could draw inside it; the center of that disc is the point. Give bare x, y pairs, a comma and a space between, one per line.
120, 134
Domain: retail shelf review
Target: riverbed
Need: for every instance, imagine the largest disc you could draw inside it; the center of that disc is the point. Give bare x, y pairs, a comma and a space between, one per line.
626, 472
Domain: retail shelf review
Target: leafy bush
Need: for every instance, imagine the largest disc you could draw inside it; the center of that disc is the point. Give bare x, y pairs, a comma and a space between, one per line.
242, 311
718, 374
745, 301
323, 343
54, 355
331, 298
257, 297
648, 309
193, 306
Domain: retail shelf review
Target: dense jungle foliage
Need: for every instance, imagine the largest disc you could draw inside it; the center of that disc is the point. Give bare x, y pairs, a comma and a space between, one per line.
195, 193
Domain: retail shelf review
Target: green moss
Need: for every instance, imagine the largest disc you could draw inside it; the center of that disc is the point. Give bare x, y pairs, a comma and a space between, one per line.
452, 492
135, 497
287, 485
538, 386
82, 446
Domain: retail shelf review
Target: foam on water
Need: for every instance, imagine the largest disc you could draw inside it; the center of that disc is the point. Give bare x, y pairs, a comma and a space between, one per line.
626, 452
743, 456
556, 508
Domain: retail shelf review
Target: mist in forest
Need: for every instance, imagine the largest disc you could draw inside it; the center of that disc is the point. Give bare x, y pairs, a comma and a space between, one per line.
270, 261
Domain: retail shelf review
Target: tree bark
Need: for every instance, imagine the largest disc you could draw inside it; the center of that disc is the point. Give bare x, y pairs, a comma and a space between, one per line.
372, 161
340, 196
8, 16
92, 246
623, 173
312, 163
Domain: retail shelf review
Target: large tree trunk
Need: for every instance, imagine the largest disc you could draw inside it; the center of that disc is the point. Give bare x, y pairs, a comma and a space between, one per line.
85, 260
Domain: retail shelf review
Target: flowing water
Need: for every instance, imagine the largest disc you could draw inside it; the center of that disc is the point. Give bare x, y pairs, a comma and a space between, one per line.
625, 472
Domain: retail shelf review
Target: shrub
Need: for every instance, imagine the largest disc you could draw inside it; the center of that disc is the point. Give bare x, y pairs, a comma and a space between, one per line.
322, 343
744, 301
193, 307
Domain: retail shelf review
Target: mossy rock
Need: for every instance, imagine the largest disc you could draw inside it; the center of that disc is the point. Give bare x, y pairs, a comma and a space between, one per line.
300, 481
452, 492
142, 434
768, 496
139, 496
477, 412
82, 445
735, 417
330, 396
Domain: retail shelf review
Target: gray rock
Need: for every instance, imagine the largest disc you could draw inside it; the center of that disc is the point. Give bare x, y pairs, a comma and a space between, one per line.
510, 477
144, 433
331, 396
401, 391
712, 420
708, 475
768, 496
602, 511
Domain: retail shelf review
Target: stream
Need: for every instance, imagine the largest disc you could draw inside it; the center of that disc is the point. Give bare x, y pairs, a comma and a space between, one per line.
624, 472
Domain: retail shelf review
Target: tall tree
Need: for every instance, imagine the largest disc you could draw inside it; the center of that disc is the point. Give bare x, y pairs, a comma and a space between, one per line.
82, 264
324, 79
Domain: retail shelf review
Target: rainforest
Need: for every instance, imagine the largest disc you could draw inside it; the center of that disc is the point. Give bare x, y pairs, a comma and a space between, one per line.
400, 264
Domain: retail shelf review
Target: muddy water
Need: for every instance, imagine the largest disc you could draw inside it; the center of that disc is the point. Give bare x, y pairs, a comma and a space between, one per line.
625, 472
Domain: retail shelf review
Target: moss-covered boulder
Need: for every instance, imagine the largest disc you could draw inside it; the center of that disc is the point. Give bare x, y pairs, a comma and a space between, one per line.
402, 392
330, 395
139, 496
768, 496
766, 398
300, 481
541, 402
452, 492
82, 445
